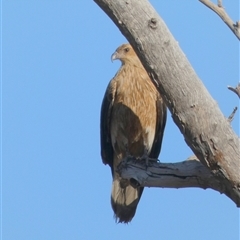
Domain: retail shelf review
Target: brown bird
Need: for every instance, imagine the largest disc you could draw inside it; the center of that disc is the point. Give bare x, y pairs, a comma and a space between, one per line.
133, 118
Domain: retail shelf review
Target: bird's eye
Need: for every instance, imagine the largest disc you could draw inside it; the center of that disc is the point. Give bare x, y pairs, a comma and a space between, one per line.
126, 49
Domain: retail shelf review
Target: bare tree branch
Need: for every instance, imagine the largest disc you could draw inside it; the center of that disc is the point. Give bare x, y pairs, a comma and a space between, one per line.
189, 173
230, 118
236, 89
197, 115
219, 10
220, 3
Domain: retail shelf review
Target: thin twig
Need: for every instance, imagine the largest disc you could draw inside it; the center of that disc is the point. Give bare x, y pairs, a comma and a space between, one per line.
219, 10
236, 89
230, 118
220, 3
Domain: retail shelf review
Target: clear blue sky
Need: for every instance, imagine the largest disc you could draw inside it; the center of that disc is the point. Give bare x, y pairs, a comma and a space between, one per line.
55, 68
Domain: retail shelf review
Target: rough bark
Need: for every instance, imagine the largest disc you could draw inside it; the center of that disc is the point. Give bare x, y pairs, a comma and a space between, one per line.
197, 115
189, 173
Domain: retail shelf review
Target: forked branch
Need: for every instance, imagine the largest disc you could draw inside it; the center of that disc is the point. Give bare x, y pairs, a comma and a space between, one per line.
220, 11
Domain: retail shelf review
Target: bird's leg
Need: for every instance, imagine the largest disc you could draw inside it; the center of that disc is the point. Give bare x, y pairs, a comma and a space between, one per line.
128, 155
147, 158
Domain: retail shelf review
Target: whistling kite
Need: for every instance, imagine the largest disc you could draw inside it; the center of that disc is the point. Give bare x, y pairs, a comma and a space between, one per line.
133, 118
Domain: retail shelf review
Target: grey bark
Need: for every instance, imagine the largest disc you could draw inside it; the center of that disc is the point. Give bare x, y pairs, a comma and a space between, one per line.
206, 131
189, 173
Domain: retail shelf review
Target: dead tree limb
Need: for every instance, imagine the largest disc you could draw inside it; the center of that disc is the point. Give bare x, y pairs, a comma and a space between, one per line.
219, 10
230, 118
196, 114
189, 173
235, 90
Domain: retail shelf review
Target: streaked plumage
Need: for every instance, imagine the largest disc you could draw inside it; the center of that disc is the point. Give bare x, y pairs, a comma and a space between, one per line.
133, 118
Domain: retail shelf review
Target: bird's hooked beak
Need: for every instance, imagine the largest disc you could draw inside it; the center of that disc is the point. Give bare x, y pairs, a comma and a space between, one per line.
114, 56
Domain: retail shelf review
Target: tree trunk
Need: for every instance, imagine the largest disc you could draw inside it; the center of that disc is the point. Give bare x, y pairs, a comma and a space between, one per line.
206, 131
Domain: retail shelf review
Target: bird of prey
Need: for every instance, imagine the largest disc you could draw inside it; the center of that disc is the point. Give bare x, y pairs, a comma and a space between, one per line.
133, 117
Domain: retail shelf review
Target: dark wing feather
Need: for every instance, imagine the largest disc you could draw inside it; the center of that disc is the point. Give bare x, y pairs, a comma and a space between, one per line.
106, 144
160, 125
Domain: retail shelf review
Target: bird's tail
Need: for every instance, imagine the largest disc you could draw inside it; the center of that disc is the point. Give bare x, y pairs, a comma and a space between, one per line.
124, 200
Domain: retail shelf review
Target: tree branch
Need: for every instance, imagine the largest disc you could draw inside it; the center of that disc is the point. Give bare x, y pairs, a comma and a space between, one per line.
220, 3
230, 118
219, 10
196, 114
236, 89
189, 173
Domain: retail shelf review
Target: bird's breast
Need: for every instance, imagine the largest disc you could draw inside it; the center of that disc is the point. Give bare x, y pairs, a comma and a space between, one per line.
134, 114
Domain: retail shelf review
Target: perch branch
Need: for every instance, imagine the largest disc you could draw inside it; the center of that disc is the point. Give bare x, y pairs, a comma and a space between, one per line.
219, 10
189, 173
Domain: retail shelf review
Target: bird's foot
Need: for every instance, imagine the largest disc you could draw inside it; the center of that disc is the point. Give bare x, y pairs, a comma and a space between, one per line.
148, 160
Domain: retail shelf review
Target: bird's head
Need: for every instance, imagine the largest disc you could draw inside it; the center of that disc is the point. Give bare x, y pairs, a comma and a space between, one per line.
126, 54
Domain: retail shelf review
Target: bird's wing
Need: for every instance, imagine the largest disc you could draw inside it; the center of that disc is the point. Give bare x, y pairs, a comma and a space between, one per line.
105, 121
160, 125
